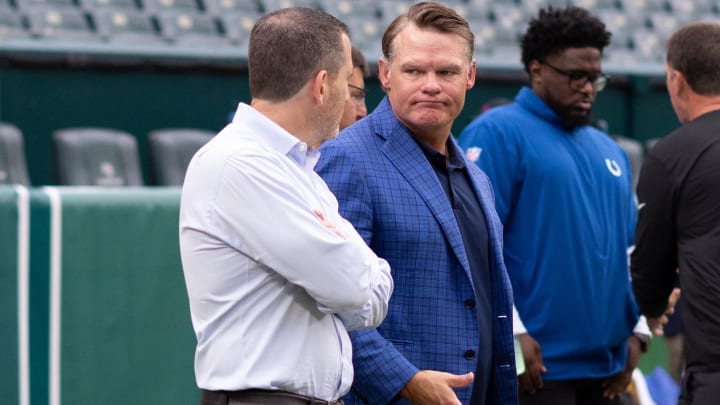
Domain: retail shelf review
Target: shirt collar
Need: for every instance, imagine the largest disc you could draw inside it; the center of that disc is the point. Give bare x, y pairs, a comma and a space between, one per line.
438, 160
275, 137
531, 102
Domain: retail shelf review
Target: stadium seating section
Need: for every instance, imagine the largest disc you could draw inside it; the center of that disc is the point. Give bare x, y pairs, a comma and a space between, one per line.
639, 27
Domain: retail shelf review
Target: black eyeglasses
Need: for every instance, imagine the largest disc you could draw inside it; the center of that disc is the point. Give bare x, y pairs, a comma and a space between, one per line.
358, 94
578, 80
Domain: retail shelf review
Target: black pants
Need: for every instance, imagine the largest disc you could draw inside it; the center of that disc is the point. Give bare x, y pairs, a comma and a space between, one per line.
259, 397
570, 392
700, 388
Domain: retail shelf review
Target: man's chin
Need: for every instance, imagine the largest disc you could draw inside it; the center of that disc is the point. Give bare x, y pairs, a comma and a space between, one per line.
577, 119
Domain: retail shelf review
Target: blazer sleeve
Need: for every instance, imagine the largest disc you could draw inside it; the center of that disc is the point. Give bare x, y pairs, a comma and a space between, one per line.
380, 370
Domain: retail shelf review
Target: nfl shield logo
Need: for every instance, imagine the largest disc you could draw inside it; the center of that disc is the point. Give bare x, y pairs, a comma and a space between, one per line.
473, 154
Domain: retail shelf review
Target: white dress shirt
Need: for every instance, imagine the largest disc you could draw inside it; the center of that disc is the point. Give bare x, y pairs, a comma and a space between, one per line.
272, 290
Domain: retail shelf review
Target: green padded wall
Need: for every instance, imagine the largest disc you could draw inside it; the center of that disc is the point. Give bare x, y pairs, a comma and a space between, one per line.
117, 321
14, 316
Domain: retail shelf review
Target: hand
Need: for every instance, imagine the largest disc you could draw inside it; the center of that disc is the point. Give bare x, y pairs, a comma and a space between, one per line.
656, 324
618, 383
429, 387
531, 380
329, 225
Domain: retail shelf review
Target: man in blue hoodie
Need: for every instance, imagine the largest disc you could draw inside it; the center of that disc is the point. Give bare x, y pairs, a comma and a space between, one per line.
563, 191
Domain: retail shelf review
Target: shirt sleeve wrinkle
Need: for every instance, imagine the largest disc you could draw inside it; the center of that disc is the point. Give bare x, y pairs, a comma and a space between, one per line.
338, 273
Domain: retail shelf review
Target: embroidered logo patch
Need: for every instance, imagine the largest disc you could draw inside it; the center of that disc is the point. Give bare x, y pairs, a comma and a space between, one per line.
473, 154
613, 167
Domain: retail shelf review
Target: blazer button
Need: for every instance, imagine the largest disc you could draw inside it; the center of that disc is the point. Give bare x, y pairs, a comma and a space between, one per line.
469, 304
469, 354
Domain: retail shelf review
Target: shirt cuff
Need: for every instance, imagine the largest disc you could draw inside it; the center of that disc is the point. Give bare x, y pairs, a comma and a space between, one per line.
642, 328
519, 327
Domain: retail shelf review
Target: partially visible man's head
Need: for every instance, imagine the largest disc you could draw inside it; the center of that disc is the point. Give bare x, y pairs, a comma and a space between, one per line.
693, 57
562, 51
355, 107
427, 68
694, 51
288, 46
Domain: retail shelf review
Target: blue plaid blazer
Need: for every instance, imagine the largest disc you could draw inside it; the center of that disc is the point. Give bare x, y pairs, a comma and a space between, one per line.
388, 190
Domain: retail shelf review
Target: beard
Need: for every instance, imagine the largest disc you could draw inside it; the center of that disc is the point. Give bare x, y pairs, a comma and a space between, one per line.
571, 117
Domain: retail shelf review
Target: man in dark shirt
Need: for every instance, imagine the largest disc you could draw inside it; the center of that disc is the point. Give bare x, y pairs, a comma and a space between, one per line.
679, 220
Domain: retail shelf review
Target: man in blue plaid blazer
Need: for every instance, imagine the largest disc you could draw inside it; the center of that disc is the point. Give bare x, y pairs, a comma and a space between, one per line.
402, 181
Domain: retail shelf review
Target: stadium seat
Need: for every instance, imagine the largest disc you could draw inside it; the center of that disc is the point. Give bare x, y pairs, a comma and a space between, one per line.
692, 9
642, 6
664, 23
619, 24
11, 23
619, 58
222, 7
125, 26
390, 9
13, 167
271, 5
171, 150
96, 157
348, 9
531, 7
509, 21
154, 6
484, 34
593, 4
51, 22
190, 28
237, 26
366, 35
648, 46
91, 5
25, 4
475, 10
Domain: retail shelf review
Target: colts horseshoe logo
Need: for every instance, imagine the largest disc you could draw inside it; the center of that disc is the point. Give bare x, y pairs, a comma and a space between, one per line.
613, 167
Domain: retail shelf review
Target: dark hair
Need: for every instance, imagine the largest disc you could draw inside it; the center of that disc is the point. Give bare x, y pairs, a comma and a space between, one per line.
694, 51
359, 62
288, 46
557, 29
429, 15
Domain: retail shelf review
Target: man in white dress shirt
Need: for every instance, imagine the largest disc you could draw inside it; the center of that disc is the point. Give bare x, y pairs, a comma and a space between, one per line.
275, 276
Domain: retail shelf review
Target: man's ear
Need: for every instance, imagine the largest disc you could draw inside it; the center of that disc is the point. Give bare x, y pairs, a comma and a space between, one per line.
319, 86
472, 72
384, 73
681, 85
534, 69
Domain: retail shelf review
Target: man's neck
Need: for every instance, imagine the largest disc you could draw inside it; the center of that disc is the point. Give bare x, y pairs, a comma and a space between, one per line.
288, 115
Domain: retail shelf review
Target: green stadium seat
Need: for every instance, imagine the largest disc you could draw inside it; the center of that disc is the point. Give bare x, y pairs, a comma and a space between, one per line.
11, 23
13, 167
222, 7
96, 157
171, 150
58, 22
185, 27
125, 26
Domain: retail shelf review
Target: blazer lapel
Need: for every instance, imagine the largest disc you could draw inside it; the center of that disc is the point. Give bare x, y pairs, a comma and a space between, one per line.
407, 157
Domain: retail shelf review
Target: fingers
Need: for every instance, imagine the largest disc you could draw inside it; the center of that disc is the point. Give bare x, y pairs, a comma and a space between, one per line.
435, 387
327, 224
656, 324
459, 381
536, 380
526, 384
